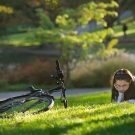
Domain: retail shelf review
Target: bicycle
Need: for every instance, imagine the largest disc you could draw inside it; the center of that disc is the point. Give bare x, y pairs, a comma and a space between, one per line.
37, 100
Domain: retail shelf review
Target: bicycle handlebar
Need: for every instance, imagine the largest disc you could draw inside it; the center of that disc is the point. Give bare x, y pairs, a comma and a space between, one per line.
58, 65
58, 75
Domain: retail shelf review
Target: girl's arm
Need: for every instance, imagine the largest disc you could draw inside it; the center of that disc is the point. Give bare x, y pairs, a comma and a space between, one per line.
120, 97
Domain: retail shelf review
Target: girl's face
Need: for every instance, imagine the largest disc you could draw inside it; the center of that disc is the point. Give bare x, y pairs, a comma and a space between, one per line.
121, 85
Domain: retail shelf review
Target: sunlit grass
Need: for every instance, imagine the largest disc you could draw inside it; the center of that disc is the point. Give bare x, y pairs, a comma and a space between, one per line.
130, 32
20, 39
90, 114
24, 39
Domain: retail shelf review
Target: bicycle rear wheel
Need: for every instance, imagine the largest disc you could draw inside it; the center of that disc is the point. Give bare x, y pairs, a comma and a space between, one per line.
32, 105
36, 105
11, 106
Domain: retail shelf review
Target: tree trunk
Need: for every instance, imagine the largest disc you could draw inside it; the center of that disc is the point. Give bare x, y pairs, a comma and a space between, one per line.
67, 72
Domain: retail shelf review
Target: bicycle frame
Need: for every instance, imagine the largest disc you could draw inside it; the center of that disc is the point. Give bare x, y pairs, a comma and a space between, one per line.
38, 93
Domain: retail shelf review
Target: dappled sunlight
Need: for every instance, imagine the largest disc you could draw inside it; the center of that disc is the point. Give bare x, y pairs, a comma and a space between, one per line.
131, 31
84, 36
116, 125
82, 118
121, 33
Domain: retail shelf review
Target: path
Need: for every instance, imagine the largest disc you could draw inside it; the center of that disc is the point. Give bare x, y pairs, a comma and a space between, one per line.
5, 95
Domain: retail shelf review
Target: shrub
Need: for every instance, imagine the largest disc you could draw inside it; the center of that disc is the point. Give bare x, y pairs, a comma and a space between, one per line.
98, 73
38, 72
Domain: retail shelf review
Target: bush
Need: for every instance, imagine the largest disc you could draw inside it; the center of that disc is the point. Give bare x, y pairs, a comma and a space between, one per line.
98, 73
38, 72
91, 74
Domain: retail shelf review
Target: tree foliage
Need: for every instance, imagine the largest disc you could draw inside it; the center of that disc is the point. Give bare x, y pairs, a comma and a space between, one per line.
44, 20
53, 3
4, 9
24, 10
87, 12
73, 46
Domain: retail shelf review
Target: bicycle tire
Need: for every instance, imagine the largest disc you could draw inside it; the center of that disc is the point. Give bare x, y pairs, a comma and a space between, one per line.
36, 105
15, 105
11, 106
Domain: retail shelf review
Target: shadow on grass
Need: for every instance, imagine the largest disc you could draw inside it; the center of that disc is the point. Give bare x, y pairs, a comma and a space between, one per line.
57, 130
114, 125
127, 128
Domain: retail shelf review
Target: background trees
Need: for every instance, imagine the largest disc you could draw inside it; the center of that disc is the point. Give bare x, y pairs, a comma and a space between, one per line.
53, 23
75, 47
24, 10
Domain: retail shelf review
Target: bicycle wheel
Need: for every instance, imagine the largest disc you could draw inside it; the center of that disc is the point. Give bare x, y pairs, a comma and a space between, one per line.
32, 105
36, 105
11, 106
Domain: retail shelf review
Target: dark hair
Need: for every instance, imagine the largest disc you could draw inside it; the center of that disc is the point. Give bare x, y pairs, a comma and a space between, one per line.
123, 74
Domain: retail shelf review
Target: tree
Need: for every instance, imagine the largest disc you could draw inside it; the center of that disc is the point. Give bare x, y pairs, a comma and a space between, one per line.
24, 11
76, 47
44, 20
123, 6
7, 10
22, 14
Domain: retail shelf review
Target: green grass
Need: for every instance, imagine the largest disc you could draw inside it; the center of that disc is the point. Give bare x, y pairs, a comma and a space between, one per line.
128, 48
22, 39
19, 39
90, 114
130, 32
118, 33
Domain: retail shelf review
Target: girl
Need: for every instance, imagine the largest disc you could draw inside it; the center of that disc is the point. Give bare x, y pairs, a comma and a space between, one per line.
123, 86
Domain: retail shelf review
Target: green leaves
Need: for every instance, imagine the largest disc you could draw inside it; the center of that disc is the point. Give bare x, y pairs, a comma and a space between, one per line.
87, 12
53, 3
5, 9
44, 20
65, 21
76, 47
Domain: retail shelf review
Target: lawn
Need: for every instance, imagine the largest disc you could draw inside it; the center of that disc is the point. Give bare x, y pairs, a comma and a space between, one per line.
130, 32
87, 114
19, 39
24, 39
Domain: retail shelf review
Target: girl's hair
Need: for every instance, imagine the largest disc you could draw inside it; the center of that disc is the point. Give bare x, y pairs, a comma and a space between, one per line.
123, 74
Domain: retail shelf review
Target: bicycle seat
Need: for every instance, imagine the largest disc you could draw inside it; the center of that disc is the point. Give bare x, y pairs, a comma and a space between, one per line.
32, 89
